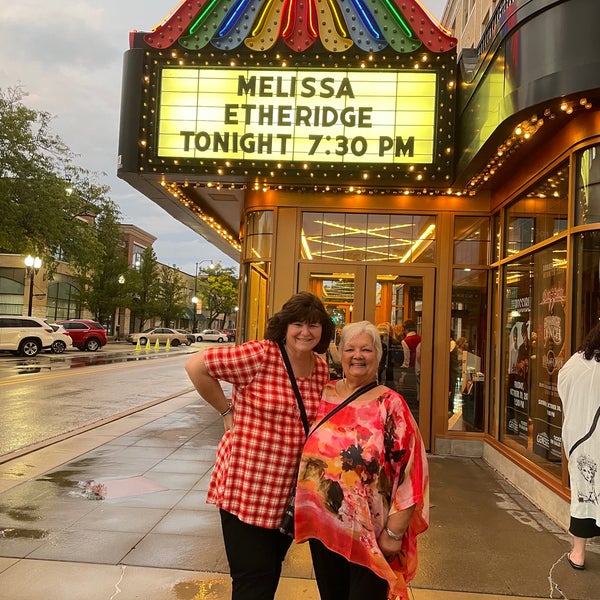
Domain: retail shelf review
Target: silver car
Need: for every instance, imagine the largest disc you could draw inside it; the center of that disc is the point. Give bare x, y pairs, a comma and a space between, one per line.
162, 334
212, 335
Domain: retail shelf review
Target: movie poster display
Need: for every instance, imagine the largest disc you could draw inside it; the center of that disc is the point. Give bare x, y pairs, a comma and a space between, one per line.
518, 408
548, 351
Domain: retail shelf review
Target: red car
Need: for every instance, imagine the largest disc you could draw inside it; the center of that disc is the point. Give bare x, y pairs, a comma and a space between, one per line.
86, 334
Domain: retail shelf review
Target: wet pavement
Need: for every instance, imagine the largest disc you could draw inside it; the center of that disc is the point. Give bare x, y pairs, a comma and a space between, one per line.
119, 512
112, 353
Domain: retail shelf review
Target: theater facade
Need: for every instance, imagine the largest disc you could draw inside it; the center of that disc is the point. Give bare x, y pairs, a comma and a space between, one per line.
342, 147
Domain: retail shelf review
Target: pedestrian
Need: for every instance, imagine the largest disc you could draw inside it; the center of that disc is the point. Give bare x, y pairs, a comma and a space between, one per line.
455, 371
363, 484
579, 391
257, 458
410, 373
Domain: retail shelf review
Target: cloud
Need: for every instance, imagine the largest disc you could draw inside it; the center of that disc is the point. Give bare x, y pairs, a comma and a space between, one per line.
68, 56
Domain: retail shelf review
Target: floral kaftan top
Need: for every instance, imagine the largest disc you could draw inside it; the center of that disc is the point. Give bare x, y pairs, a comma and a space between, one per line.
365, 462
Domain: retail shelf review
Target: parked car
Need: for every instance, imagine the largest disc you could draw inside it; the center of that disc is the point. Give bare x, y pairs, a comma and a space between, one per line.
212, 335
25, 335
86, 334
62, 340
162, 334
188, 334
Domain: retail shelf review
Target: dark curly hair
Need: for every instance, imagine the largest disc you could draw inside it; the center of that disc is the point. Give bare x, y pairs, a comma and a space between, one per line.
591, 344
303, 307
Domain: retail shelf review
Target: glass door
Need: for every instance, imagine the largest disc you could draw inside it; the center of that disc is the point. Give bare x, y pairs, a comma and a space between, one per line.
399, 301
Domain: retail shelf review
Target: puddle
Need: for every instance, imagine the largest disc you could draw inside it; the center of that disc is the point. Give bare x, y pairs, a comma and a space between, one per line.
109, 489
11, 533
63, 479
22, 513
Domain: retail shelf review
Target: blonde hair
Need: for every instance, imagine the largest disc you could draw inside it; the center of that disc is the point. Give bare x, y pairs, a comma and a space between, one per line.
350, 331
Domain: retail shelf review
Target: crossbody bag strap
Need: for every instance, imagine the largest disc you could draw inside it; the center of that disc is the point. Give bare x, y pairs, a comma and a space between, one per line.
588, 435
347, 401
288, 366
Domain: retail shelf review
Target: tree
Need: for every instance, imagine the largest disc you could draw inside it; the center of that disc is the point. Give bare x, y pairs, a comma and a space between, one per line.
100, 288
43, 195
142, 283
218, 288
172, 295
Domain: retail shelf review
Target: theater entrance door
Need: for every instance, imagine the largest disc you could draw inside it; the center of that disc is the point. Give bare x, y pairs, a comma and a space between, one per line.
388, 296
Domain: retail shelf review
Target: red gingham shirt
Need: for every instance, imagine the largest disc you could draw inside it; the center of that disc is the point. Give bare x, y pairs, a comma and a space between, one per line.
257, 462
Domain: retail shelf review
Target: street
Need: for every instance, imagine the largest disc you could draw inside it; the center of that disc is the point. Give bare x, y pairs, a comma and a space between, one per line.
51, 395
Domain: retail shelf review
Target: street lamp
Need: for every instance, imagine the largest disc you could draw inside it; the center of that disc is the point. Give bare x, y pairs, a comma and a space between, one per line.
32, 266
195, 298
208, 260
195, 301
121, 281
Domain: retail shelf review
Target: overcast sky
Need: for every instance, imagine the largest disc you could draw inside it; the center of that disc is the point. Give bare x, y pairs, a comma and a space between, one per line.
67, 55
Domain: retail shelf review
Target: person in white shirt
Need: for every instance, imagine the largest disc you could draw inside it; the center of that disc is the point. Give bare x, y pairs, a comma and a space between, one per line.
579, 391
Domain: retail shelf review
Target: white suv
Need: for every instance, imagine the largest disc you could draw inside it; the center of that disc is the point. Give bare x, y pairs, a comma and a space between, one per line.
24, 335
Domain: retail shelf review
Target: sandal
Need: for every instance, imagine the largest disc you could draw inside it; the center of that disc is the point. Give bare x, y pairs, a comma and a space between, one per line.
574, 564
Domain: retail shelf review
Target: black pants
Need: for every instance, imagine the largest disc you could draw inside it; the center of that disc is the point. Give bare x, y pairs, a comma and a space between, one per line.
255, 555
339, 579
584, 528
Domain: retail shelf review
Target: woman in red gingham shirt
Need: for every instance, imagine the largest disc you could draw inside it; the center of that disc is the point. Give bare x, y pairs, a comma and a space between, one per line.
257, 458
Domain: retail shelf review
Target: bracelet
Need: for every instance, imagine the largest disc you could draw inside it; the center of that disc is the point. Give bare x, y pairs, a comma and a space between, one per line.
394, 536
227, 411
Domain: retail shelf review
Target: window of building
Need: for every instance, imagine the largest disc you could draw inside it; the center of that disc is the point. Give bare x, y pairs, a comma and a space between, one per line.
369, 238
587, 202
12, 289
258, 244
540, 213
137, 252
586, 285
471, 240
468, 327
534, 351
256, 272
62, 300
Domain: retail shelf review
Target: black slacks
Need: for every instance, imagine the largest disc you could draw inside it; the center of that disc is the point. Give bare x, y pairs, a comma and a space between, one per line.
255, 555
584, 528
339, 579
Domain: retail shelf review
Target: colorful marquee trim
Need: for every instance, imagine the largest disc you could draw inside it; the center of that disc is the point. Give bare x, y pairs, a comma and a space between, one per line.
371, 25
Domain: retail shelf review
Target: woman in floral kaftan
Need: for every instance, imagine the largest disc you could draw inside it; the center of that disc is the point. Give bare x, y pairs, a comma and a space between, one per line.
579, 391
363, 484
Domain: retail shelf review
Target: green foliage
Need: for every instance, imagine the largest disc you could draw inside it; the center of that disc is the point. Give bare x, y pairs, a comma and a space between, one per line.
98, 280
37, 214
172, 296
143, 286
218, 289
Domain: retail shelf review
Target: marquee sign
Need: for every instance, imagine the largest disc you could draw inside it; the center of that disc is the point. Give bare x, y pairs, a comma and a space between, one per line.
297, 116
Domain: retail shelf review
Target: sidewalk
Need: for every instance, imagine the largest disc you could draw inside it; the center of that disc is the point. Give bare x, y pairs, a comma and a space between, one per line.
119, 512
